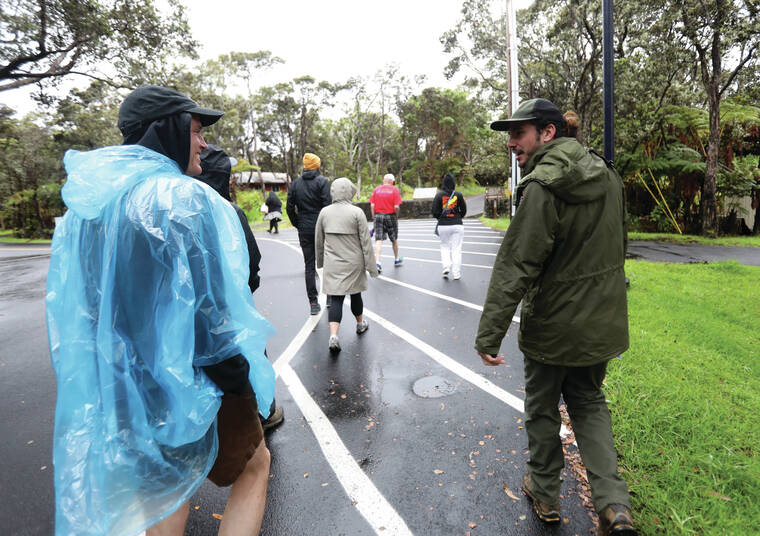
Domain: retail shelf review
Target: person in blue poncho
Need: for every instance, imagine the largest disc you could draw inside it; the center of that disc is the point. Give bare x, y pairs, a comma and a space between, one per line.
157, 348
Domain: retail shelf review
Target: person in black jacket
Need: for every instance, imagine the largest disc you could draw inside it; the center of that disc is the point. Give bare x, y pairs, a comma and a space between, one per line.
307, 196
449, 208
216, 168
274, 211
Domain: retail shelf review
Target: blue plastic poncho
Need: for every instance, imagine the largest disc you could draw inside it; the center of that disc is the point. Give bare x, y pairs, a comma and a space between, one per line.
147, 282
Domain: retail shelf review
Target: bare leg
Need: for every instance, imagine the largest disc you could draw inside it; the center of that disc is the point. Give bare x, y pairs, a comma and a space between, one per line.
395, 249
173, 525
245, 507
359, 319
334, 328
378, 250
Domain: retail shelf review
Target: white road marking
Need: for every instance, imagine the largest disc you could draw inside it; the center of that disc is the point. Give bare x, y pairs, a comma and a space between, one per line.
438, 262
438, 250
403, 234
372, 505
363, 494
432, 293
449, 363
404, 240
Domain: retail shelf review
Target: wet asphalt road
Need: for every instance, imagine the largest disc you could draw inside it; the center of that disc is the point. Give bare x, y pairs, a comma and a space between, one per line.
436, 465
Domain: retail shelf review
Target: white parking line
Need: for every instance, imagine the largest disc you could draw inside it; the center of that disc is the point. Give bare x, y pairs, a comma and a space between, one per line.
372, 505
449, 363
438, 250
405, 240
438, 262
363, 494
432, 293
403, 233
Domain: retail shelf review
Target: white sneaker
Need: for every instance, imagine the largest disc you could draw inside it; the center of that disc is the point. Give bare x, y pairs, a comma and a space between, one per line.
445, 273
334, 344
457, 276
361, 327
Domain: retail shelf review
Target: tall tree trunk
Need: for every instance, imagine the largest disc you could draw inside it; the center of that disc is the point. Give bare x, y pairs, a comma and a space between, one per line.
708, 201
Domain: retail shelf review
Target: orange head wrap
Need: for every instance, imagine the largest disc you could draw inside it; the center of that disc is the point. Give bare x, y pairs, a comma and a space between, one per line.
311, 161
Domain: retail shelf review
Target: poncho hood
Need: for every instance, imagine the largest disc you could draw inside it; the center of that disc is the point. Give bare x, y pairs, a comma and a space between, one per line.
568, 170
95, 178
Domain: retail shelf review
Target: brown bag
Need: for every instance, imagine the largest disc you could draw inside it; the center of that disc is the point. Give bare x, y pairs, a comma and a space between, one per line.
240, 432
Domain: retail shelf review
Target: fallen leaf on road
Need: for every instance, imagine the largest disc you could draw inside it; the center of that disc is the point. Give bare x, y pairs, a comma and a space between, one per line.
343, 395
43, 467
306, 475
438, 471
217, 516
472, 524
196, 507
509, 493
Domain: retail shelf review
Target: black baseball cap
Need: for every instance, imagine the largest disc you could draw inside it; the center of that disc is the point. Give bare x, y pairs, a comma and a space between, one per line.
531, 110
148, 103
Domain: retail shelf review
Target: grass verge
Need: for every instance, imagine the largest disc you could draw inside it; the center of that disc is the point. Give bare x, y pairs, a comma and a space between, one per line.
685, 399
6, 237
500, 224
741, 241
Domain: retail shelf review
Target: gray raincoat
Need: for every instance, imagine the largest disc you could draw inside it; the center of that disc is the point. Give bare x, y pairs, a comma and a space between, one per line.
343, 245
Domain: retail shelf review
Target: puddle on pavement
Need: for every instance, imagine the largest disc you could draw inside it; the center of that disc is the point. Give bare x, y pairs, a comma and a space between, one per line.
433, 387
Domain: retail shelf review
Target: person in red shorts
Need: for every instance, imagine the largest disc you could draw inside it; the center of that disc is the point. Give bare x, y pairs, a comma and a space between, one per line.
385, 203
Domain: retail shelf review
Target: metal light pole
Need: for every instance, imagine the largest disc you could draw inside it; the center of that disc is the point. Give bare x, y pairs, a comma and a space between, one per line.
514, 88
609, 90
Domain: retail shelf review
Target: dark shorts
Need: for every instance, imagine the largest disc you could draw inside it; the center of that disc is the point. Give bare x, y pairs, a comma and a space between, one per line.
239, 431
386, 225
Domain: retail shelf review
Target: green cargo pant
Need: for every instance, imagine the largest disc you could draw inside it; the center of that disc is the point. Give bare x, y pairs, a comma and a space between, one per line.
581, 389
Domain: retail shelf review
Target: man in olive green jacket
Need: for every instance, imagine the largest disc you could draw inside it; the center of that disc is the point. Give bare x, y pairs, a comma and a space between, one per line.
563, 256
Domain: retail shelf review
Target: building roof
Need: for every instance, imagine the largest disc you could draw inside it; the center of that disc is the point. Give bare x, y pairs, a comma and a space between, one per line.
269, 177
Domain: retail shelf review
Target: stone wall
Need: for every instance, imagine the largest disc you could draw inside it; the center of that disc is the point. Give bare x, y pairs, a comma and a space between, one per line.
412, 209
494, 208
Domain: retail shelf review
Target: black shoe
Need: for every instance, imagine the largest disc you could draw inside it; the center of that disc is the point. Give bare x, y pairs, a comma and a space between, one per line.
274, 420
315, 308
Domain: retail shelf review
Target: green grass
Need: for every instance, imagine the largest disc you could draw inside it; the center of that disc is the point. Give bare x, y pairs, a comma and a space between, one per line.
742, 241
685, 399
6, 237
495, 223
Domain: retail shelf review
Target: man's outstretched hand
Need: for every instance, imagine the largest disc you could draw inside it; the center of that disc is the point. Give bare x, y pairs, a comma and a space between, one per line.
490, 360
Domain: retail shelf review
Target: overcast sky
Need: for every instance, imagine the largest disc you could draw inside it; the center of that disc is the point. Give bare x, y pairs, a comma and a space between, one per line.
331, 40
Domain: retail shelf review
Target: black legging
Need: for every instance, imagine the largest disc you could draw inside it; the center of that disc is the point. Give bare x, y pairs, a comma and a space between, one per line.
336, 307
273, 224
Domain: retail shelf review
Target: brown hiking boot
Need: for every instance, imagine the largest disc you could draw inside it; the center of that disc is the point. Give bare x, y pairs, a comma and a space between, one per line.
548, 513
615, 520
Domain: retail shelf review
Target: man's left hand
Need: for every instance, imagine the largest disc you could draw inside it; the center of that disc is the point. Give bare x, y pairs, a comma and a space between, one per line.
491, 360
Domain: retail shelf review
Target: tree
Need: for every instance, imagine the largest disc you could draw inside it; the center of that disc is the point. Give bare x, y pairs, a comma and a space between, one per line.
45, 40
725, 36
444, 123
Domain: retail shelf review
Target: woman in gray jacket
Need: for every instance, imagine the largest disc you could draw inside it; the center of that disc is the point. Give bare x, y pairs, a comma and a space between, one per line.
344, 250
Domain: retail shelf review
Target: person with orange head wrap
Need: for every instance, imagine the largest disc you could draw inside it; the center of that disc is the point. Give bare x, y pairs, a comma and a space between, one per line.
308, 194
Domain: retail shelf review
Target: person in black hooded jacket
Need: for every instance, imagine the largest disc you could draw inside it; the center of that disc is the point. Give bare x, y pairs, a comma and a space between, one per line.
449, 208
274, 211
307, 196
217, 167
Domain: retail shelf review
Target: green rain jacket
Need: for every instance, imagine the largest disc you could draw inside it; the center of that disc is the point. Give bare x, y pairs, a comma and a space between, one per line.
563, 256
